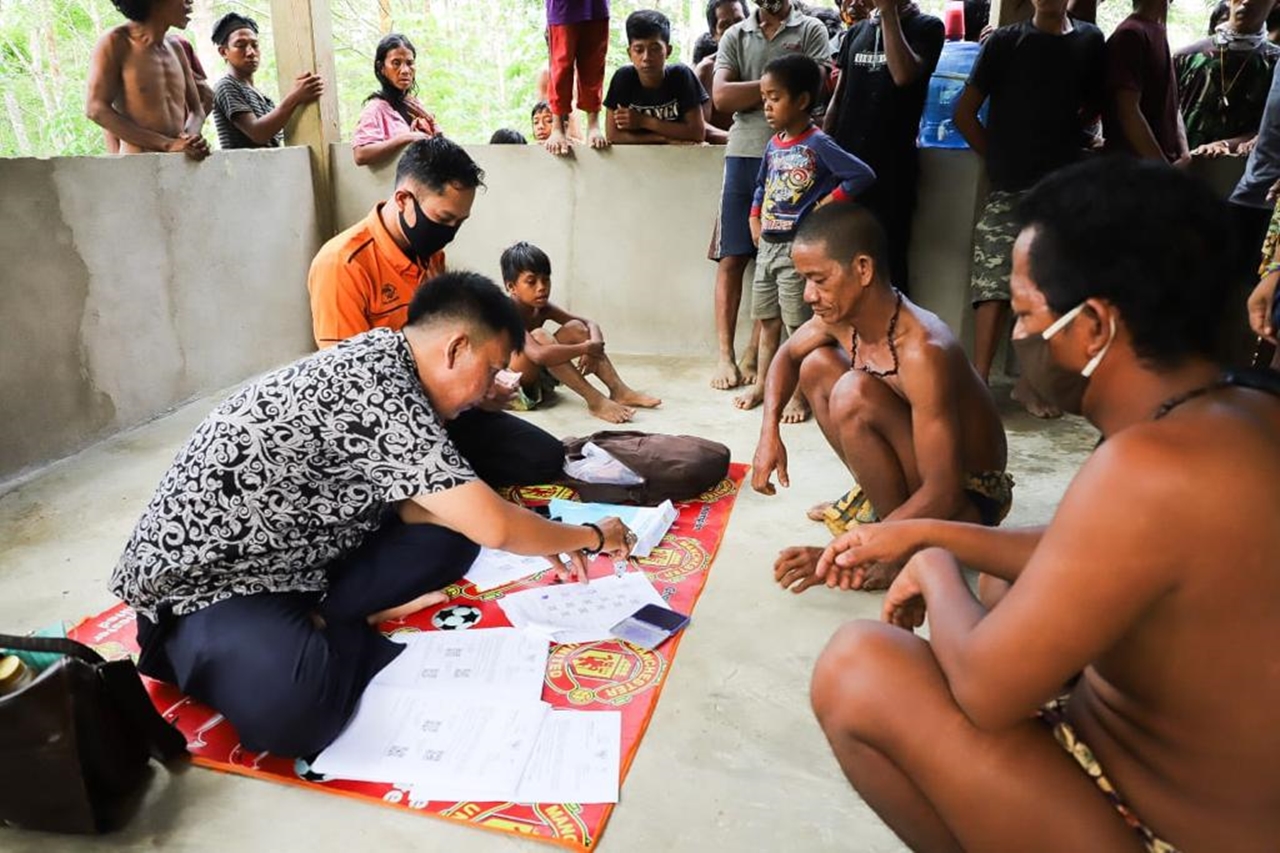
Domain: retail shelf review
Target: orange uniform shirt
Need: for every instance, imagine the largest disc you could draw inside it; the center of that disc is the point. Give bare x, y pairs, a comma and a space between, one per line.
361, 280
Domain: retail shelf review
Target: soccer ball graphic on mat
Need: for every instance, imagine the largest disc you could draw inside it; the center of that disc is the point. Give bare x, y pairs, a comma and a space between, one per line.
456, 618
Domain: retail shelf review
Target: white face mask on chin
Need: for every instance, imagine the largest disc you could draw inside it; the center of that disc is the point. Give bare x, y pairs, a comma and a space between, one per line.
1225, 36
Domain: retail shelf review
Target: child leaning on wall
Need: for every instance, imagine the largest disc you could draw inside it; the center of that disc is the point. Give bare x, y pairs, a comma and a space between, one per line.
649, 101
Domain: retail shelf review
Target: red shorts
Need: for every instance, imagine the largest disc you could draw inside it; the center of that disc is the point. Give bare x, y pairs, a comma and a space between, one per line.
582, 45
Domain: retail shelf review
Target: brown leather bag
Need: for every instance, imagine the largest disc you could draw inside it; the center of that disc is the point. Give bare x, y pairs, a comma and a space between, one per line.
76, 742
674, 467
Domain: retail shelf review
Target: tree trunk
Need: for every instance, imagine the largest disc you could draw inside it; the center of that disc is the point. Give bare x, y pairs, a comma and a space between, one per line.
18, 124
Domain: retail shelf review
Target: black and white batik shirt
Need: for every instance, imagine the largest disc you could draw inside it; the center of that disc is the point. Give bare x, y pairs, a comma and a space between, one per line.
288, 474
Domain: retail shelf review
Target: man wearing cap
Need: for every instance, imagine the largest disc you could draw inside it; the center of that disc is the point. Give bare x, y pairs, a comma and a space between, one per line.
244, 116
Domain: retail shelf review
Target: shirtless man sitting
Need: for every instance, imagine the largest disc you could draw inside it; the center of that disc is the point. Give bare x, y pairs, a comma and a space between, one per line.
902, 408
141, 86
1166, 605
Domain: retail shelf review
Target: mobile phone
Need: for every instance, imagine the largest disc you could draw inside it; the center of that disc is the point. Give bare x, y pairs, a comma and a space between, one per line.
649, 626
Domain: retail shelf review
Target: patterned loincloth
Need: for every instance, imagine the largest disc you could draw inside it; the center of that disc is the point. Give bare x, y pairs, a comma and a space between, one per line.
1054, 715
528, 399
991, 493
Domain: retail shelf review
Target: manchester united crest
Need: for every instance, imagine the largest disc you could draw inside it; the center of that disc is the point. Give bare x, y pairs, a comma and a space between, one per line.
675, 559
609, 673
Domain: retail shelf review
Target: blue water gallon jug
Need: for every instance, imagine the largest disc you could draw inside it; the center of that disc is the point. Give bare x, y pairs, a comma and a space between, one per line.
937, 128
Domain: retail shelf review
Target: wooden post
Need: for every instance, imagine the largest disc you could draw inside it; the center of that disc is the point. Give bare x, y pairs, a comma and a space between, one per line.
1005, 12
302, 32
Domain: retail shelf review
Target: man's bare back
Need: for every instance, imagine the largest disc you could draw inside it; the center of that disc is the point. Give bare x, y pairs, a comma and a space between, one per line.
142, 89
1181, 711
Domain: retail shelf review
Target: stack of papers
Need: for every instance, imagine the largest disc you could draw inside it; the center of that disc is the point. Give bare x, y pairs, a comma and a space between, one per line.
458, 716
577, 612
493, 569
650, 523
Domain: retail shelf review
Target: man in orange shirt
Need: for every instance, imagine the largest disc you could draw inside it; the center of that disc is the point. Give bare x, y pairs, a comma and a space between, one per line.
365, 278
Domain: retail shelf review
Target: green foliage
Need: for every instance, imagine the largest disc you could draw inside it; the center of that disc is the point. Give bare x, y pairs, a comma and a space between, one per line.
478, 59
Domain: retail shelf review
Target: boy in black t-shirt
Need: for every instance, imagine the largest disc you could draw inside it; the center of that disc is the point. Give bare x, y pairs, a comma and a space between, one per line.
650, 102
885, 63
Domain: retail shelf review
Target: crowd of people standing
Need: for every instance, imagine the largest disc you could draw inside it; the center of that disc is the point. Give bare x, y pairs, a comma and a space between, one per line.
1138, 621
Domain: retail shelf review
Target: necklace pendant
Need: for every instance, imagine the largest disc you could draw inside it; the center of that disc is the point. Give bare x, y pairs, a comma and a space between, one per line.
1225, 103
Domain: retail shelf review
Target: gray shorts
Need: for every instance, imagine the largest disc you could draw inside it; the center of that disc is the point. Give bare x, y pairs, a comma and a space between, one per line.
993, 239
778, 290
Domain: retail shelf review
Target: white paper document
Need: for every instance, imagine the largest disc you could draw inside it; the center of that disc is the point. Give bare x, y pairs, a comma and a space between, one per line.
493, 569
496, 663
577, 612
577, 759
650, 523
448, 748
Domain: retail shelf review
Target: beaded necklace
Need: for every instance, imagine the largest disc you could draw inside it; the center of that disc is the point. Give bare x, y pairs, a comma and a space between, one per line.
893, 349
1178, 399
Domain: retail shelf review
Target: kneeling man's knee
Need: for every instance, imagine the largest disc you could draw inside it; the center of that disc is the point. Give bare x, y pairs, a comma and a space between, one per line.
854, 398
295, 724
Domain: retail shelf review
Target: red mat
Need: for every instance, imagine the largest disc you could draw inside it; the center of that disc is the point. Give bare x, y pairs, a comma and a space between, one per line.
604, 676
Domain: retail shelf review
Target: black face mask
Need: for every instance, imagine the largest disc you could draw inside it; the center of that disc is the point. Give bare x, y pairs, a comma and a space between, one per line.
1056, 384
425, 236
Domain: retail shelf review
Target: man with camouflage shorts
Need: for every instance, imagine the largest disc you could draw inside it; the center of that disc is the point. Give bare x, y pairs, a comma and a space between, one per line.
1044, 78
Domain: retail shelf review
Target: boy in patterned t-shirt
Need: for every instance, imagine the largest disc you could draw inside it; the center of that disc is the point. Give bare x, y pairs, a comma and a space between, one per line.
802, 168
244, 117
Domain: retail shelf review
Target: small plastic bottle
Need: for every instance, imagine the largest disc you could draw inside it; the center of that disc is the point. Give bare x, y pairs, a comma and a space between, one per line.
14, 674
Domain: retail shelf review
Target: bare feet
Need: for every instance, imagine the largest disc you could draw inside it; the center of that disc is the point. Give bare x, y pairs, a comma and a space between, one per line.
607, 410
750, 398
796, 411
879, 576
795, 566
630, 397
595, 137
1035, 405
747, 368
818, 512
557, 143
726, 376
422, 602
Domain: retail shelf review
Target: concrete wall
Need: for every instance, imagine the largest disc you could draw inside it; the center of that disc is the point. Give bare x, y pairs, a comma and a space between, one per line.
134, 283
131, 284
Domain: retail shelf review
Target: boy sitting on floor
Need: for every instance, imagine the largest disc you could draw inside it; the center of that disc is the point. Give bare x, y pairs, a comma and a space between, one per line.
548, 359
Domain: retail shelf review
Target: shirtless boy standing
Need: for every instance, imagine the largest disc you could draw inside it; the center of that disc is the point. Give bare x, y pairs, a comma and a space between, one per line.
141, 86
892, 390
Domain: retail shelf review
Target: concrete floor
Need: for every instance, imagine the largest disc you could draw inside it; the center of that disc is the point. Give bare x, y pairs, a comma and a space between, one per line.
733, 759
